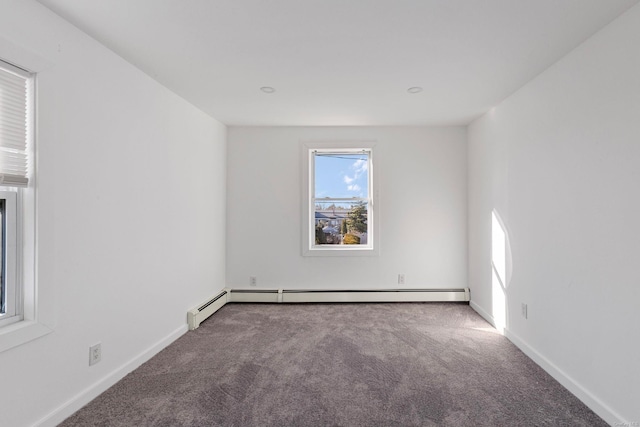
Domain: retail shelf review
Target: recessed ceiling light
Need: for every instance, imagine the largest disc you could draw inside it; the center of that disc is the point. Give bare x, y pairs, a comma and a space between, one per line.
267, 89
414, 89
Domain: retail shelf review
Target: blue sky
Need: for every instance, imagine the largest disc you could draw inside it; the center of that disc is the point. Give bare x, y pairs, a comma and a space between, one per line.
341, 175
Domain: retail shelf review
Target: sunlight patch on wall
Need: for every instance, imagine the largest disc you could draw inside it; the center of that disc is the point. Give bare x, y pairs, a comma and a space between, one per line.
499, 272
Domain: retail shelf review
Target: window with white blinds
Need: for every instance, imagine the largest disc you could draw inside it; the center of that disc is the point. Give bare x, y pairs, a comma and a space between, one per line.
15, 125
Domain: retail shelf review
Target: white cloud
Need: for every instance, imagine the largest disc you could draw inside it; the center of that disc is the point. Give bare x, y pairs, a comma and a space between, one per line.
360, 164
360, 167
348, 180
354, 187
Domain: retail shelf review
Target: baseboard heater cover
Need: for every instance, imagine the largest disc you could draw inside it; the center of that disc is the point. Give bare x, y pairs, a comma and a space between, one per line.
376, 295
198, 315
352, 295
255, 295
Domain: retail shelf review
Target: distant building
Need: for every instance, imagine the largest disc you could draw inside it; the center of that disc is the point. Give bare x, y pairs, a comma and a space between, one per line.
331, 217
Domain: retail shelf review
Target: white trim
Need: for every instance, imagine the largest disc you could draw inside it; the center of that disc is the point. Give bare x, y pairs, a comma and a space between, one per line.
18, 54
378, 295
307, 192
275, 296
20, 333
199, 314
13, 296
255, 296
342, 295
588, 398
484, 314
14, 69
72, 405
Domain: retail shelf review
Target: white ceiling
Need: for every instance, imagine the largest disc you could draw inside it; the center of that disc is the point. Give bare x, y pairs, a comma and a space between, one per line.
341, 62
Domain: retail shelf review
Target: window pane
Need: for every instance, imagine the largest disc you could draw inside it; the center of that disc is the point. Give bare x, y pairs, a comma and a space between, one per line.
341, 175
3, 288
341, 223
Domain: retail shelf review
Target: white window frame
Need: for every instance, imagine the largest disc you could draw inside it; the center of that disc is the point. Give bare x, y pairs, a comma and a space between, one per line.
309, 248
29, 322
9, 252
26, 321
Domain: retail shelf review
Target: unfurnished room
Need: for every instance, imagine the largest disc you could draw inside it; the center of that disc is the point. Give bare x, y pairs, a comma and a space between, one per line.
314, 213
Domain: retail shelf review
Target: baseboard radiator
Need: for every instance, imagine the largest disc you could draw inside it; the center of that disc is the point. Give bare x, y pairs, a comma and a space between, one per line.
198, 315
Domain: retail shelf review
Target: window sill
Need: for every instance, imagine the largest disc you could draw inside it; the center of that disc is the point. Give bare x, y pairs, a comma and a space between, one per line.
340, 252
20, 333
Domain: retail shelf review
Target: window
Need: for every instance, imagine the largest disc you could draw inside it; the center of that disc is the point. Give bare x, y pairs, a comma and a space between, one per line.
15, 134
339, 213
9, 293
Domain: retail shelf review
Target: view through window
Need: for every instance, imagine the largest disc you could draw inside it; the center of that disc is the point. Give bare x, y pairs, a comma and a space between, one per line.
3, 285
341, 199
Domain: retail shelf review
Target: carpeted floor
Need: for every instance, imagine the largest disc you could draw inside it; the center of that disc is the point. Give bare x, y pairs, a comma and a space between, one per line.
399, 364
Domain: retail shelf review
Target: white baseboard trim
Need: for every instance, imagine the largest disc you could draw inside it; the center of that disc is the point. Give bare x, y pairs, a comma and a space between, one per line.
376, 295
482, 312
593, 402
198, 314
347, 295
588, 398
72, 405
486, 316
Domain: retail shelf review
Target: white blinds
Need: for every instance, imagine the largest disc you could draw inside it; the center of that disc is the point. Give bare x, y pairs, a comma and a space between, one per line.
15, 89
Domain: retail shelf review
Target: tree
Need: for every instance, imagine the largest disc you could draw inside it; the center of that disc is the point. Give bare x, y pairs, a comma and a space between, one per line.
357, 218
321, 238
343, 227
350, 239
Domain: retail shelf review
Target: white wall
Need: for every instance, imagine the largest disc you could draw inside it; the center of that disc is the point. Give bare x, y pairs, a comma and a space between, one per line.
560, 161
131, 213
422, 209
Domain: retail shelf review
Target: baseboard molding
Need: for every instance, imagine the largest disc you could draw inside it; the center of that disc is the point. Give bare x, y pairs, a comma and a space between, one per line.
483, 313
255, 295
72, 405
199, 314
486, 316
376, 295
593, 402
351, 295
588, 398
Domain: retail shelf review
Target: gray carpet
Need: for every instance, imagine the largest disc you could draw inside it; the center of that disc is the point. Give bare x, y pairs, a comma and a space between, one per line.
402, 364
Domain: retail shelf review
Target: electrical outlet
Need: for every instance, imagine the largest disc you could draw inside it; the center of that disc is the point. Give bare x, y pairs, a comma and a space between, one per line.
95, 354
525, 313
253, 281
401, 279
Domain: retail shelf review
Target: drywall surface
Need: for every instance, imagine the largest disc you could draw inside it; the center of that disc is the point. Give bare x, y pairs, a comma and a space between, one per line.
131, 213
421, 183
559, 162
